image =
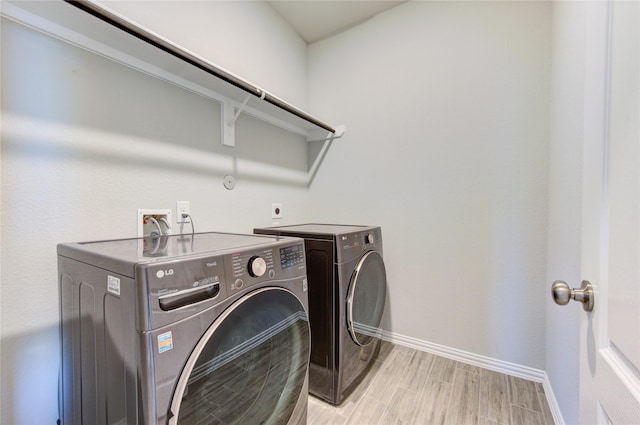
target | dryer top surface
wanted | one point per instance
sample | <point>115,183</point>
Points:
<point>320,229</point>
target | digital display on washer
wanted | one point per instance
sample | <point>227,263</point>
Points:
<point>291,255</point>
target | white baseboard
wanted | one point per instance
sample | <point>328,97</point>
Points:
<point>496,365</point>
<point>551,399</point>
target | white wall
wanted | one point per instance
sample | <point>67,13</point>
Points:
<point>447,110</point>
<point>247,38</point>
<point>85,142</point>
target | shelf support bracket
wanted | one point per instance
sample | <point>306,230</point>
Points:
<point>313,170</point>
<point>228,124</point>
<point>330,137</point>
<point>230,116</point>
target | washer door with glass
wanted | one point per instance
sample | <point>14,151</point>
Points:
<point>366,298</point>
<point>250,366</point>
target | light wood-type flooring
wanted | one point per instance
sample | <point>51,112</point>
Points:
<point>407,386</point>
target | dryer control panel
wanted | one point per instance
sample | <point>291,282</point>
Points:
<point>352,245</point>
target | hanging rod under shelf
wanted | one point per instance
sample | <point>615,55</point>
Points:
<point>176,51</point>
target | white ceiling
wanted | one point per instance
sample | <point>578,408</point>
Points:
<point>318,19</point>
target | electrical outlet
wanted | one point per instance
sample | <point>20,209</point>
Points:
<point>154,222</point>
<point>276,210</point>
<point>183,207</point>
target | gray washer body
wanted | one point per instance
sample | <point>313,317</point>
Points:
<point>133,310</point>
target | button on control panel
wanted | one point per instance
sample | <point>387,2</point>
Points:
<point>257,266</point>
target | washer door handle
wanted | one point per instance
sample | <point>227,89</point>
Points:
<point>190,296</point>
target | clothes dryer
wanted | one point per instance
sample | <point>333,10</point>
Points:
<point>189,329</point>
<point>347,294</point>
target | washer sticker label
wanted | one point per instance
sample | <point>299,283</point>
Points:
<point>113,285</point>
<point>165,342</point>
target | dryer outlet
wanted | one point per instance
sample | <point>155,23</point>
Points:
<point>276,210</point>
<point>154,222</point>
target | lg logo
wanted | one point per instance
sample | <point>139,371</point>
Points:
<point>162,273</point>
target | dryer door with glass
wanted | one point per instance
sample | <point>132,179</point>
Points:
<point>250,366</point>
<point>366,298</point>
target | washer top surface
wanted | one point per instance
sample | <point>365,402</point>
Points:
<point>127,252</point>
<point>322,229</point>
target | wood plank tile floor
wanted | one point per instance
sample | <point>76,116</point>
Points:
<point>411,387</point>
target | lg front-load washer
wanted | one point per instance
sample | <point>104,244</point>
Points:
<point>208,328</point>
<point>347,293</point>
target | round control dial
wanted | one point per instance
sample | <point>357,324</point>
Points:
<point>257,266</point>
<point>369,238</point>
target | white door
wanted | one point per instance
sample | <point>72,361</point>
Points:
<point>610,334</point>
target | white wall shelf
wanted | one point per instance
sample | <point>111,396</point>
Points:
<point>93,27</point>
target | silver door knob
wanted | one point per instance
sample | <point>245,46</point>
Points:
<point>562,294</point>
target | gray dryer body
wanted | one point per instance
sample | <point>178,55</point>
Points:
<point>347,295</point>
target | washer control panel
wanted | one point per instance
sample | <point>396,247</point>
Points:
<point>291,256</point>
<point>273,263</point>
<point>191,277</point>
